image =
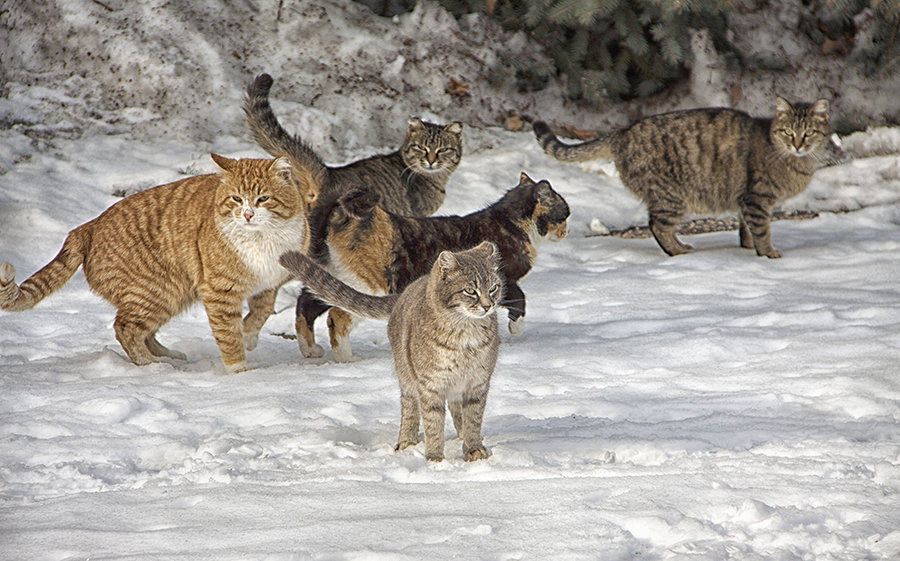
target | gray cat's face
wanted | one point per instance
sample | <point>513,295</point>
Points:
<point>431,148</point>
<point>802,130</point>
<point>470,281</point>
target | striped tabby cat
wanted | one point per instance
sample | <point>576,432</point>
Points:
<point>216,238</point>
<point>410,181</point>
<point>380,252</point>
<point>711,161</point>
<point>443,334</point>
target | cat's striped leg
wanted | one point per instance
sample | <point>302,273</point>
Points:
<point>431,406</point>
<point>409,420</point>
<point>157,349</point>
<point>261,307</point>
<point>756,210</point>
<point>223,310</point>
<point>472,407</point>
<point>132,332</point>
<point>745,236</point>
<point>665,215</point>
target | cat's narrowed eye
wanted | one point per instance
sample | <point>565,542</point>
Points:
<point>237,199</point>
<point>469,291</point>
<point>262,199</point>
<point>495,288</point>
<point>787,133</point>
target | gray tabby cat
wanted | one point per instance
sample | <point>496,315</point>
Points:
<point>711,160</point>
<point>443,334</point>
<point>410,181</point>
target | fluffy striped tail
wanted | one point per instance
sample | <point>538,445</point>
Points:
<point>15,298</point>
<point>271,136</point>
<point>590,150</point>
<point>335,292</point>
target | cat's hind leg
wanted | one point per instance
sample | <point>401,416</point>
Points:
<point>132,333</point>
<point>157,349</point>
<point>308,309</point>
<point>340,322</point>
<point>663,222</point>
<point>745,236</point>
<point>514,301</point>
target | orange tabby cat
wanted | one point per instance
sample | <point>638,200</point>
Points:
<point>216,238</point>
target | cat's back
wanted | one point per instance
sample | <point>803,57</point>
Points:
<point>160,225</point>
<point>689,130</point>
<point>382,174</point>
<point>701,154</point>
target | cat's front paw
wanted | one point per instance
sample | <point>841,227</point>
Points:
<point>236,367</point>
<point>517,326</point>
<point>771,253</point>
<point>404,444</point>
<point>476,453</point>
<point>7,274</point>
<point>434,457</point>
<point>251,340</point>
<point>310,351</point>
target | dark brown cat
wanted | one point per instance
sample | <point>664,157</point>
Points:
<point>381,252</point>
<point>215,238</point>
<point>711,161</point>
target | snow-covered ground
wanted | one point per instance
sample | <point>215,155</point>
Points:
<point>714,406</point>
<point>710,406</point>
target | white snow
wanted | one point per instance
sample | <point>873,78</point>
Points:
<point>713,406</point>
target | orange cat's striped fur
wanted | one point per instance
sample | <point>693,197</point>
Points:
<point>214,238</point>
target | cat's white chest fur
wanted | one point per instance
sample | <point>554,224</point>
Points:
<point>260,243</point>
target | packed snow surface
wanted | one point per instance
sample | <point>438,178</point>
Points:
<point>713,406</point>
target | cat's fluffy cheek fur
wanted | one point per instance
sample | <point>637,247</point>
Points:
<point>260,245</point>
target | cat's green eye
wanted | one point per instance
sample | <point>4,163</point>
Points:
<point>262,199</point>
<point>237,199</point>
<point>469,291</point>
<point>495,288</point>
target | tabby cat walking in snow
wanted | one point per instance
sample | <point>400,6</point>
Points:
<point>382,252</point>
<point>216,238</point>
<point>711,160</point>
<point>443,335</point>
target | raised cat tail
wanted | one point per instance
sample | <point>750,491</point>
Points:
<point>335,292</point>
<point>271,136</point>
<point>590,150</point>
<point>15,298</point>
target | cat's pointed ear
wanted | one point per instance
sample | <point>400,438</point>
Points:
<point>225,164</point>
<point>447,261</point>
<point>416,124</point>
<point>524,179</point>
<point>820,108</point>
<point>455,127</point>
<point>543,192</point>
<point>487,248</point>
<point>281,166</point>
<point>783,106</point>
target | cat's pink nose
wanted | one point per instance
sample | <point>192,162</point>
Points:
<point>248,214</point>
